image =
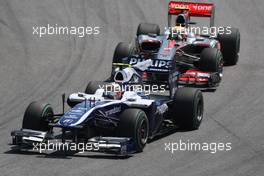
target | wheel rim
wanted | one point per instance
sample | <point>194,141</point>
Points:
<point>220,64</point>
<point>47,112</point>
<point>200,111</point>
<point>143,132</point>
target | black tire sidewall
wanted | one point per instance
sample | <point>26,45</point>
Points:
<point>122,50</point>
<point>141,119</point>
<point>185,108</point>
<point>211,60</point>
<point>35,116</point>
<point>230,46</point>
<point>147,28</point>
<point>130,122</point>
<point>92,86</point>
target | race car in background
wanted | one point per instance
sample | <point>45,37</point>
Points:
<point>229,40</point>
<point>119,122</point>
<point>198,58</point>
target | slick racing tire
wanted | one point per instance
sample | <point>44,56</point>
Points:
<point>134,123</point>
<point>92,86</point>
<point>146,28</point>
<point>36,116</point>
<point>187,109</point>
<point>122,50</point>
<point>211,60</point>
<point>230,46</point>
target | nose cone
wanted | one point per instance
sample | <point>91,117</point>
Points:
<point>74,115</point>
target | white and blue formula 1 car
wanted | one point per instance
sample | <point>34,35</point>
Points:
<point>119,122</point>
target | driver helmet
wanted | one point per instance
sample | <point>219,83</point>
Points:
<point>181,20</point>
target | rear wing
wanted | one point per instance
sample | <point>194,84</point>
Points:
<point>194,10</point>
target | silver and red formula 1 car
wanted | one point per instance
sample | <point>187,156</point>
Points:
<point>199,58</point>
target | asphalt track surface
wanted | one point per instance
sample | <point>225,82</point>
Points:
<point>34,68</point>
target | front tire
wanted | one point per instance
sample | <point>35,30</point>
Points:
<point>211,60</point>
<point>134,123</point>
<point>36,116</point>
<point>146,28</point>
<point>187,108</point>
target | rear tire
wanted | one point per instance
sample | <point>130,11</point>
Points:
<point>187,108</point>
<point>211,60</point>
<point>35,117</point>
<point>146,28</point>
<point>134,123</point>
<point>230,46</point>
<point>92,86</point>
